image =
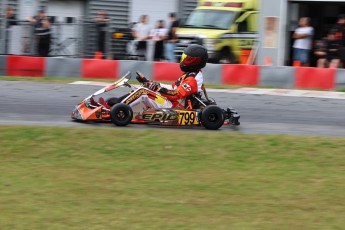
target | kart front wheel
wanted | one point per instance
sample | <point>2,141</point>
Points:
<point>212,117</point>
<point>121,114</point>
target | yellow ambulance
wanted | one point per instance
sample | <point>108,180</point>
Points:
<point>227,28</point>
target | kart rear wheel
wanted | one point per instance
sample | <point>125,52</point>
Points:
<point>121,114</point>
<point>212,117</point>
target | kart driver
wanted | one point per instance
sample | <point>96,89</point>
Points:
<point>193,59</point>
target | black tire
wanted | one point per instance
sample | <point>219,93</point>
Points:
<point>226,57</point>
<point>212,117</point>
<point>121,114</point>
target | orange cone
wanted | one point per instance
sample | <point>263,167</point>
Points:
<point>296,63</point>
<point>268,60</point>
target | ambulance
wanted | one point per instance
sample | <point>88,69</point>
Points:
<point>227,28</point>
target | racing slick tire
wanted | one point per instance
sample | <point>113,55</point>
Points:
<point>212,117</point>
<point>121,114</point>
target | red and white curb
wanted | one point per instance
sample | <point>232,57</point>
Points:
<point>254,91</point>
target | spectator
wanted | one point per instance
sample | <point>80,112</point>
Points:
<point>172,38</point>
<point>158,35</point>
<point>10,17</point>
<point>329,57</point>
<point>141,33</point>
<point>320,53</point>
<point>339,28</point>
<point>42,32</point>
<point>10,21</point>
<point>101,27</point>
<point>303,36</point>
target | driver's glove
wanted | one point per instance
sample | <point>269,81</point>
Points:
<point>141,78</point>
<point>154,86</point>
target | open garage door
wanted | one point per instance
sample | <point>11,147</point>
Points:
<point>323,15</point>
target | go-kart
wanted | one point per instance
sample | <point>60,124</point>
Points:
<point>199,109</point>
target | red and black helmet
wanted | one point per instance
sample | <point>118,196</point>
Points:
<point>194,58</point>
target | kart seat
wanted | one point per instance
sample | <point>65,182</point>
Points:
<point>193,102</point>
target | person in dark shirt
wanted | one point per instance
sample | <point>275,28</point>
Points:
<point>10,21</point>
<point>10,17</point>
<point>329,52</point>
<point>42,32</point>
<point>171,38</point>
<point>339,29</point>
<point>320,52</point>
<point>102,21</point>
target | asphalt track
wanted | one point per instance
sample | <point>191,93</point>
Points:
<point>50,104</point>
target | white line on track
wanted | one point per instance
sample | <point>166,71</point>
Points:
<point>255,91</point>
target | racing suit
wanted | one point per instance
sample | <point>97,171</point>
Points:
<point>187,84</point>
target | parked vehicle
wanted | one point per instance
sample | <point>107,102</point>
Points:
<point>224,27</point>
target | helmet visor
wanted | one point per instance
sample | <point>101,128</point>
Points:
<point>188,60</point>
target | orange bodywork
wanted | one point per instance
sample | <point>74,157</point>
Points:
<point>94,113</point>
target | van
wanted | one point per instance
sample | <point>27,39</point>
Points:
<point>226,28</point>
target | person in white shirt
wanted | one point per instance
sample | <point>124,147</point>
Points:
<point>302,46</point>
<point>141,32</point>
<point>158,35</point>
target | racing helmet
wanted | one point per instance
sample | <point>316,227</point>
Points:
<point>194,57</point>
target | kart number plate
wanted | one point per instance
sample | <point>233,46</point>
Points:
<point>188,118</point>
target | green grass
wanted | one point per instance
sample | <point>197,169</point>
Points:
<point>82,178</point>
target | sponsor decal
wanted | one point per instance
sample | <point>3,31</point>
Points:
<point>160,100</point>
<point>136,95</point>
<point>159,116</point>
<point>246,43</point>
<point>187,87</point>
<point>98,114</point>
<point>240,35</point>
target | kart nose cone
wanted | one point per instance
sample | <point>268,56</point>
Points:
<point>75,114</point>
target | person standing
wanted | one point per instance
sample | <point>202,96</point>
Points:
<point>10,17</point>
<point>158,35</point>
<point>329,56</point>
<point>42,32</point>
<point>172,38</point>
<point>141,32</point>
<point>339,29</point>
<point>302,46</point>
<point>10,21</point>
<point>101,27</point>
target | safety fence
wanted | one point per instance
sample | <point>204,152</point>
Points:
<point>227,74</point>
